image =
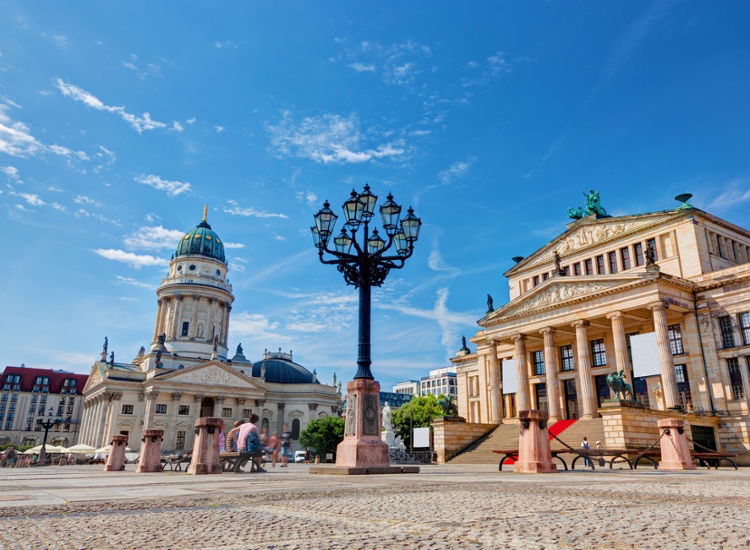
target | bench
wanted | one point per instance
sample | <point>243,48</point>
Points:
<point>513,455</point>
<point>175,463</point>
<point>617,455</point>
<point>714,458</point>
<point>235,461</point>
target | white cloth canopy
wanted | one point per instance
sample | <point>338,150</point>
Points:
<point>51,449</point>
<point>108,449</point>
<point>81,449</point>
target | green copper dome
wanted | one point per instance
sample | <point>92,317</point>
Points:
<point>202,241</point>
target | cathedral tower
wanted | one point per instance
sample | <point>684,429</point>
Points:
<point>194,299</point>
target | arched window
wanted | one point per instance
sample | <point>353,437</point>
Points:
<point>295,429</point>
<point>264,424</point>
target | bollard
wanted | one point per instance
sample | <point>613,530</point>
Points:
<point>206,448</point>
<point>675,453</point>
<point>116,458</point>
<point>362,446</point>
<point>150,459</point>
<point>534,454</point>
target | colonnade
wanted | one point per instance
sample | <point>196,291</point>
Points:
<point>170,310</point>
<point>583,365</point>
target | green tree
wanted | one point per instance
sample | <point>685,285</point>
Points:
<point>323,434</point>
<point>417,413</point>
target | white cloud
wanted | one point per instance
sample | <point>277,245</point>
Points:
<point>139,123</point>
<point>31,199</point>
<point>153,238</point>
<point>234,209</point>
<point>234,245</point>
<point>133,260</point>
<point>256,326</point>
<point>455,171</point>
<point>142,72</point>
<point>106,158</point>
<point>218,129</point>
<point>171,188</point>
<point>224,45</point>
<point>54,189</point>
<point>736,192</point>
<point>278,237</point>
<point>177,127</point>
<point>83,199</point>
<point>328,138</point>
<point>190,121</point>
<point>132,282</point>
<point>362,68</point>
<point>83,213</point>
<point>12,173</point>
<point>16,140</point>
<point>307,196</point>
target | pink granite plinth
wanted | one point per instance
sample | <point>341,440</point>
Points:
<point>362,446</point>
<point>206,447</point>
<point>534,454</point>
<point>116,458</point>
<point>675,453</point>
<point>150,459</point>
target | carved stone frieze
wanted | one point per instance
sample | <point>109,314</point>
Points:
<point>559,293</point>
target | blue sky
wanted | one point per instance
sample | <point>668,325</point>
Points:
<point>119,120</point>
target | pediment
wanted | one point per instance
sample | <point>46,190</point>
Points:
<point>557,291</point>
<point>213,373</point>
<point>590,232</point>
<point>94,379</point>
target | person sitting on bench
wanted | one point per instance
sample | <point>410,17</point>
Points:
<point>231,440</point>
<point>248,440</point>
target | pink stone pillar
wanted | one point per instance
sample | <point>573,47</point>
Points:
<point>116,458</point>
<point>362,446</point>
<point>150,459</point>
<point>534,454</point>
<point>206,447</point>
<point>675,453</point>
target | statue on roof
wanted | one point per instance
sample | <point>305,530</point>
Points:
<point>112,360</point>
<point>490,304</point>
<point>158,359</point>
<point>239,349</point>
<point>593,207</point>
<point>558,266</point>
<point>464,347</point>
<point>216,344</point>
<point>105,347</point>
<point>161,339</point>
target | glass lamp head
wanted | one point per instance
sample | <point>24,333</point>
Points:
<point>389,212</point>
<point>368,200</point>
<point>410,225</point>
<point>402,244</point>
<point>325,220</point>
<point>353,209</point>
<point>342,242</point>
<point>375,243</point>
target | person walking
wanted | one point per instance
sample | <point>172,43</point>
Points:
<point>286,446</point>
<point>274,443</point>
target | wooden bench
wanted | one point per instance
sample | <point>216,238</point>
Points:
<point>176,463</point>
<point>235,461</point>
<point>715,458</point>
<point>513,455</point>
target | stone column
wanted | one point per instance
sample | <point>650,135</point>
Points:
<point>522,395</point>
<point>116,458</point>
<point>111,415</point>
<point>534,454</point>
<point>496,406</point>
<point>150,459</point>
<point>550,373</point>
<point>621,345</point>
<point>583,358</point>
<point>675,453</point>
<point>150,409</point>
<point>85,424</point>
<point>225,325</point>
<point>176,315</point>
<point>206,447</point>
<point>280,409</point>
<point>666,363</point>
<point>193,329</point>
<point>101,410</point>
<point>158,321</point>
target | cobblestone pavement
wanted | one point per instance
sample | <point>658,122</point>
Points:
<point>466,506</point>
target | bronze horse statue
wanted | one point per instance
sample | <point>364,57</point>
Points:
<point>616,383</point>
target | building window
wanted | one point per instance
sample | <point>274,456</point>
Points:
<point>651,245</point>
<point>179,441</point>
<point>161,408</point>
<point>185,327</point>
<point>540,392</point>
<point>600,265</point>
<point>566,270</point>
<point>683,387</point>
<point>184,410</point>
<point>588,267</point>
<point>735,378</point>
<point>675,339</point>
<point>545,276</point>
<point>625,257</point>
<point>598,352</point>
<point>727,334</point>
<point>612,257</point>
<point>577,268</point>
<point>638,253</point>
<point>127,409</point>
<point>226,412</point>
<point>538,361</point>
<point>295,429</point>
<point>744,319</point>
<point>630,347</point>
<point>566,358</point>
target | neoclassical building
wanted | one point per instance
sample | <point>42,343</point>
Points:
<point>678,280</point>
<point>186,374</point>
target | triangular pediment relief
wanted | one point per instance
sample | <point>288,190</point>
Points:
<point>94,379</point>
<point>557,291</point>
<point>213,373</point>
<point>591,232</point>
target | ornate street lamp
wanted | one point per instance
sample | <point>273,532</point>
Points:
<point>46,424</point>
<point>365,258</point>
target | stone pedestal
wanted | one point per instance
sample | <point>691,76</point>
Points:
<point>534,454</point>
<point>206,447</point>
<point>675,453</point>
<point>150,459</point>
<point>116,458</point>
<point>362,451</point>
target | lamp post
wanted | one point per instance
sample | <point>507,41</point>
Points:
<point>364,258</point>
<point>46,424</point>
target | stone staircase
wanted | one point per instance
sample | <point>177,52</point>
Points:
<point>505,436</point>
